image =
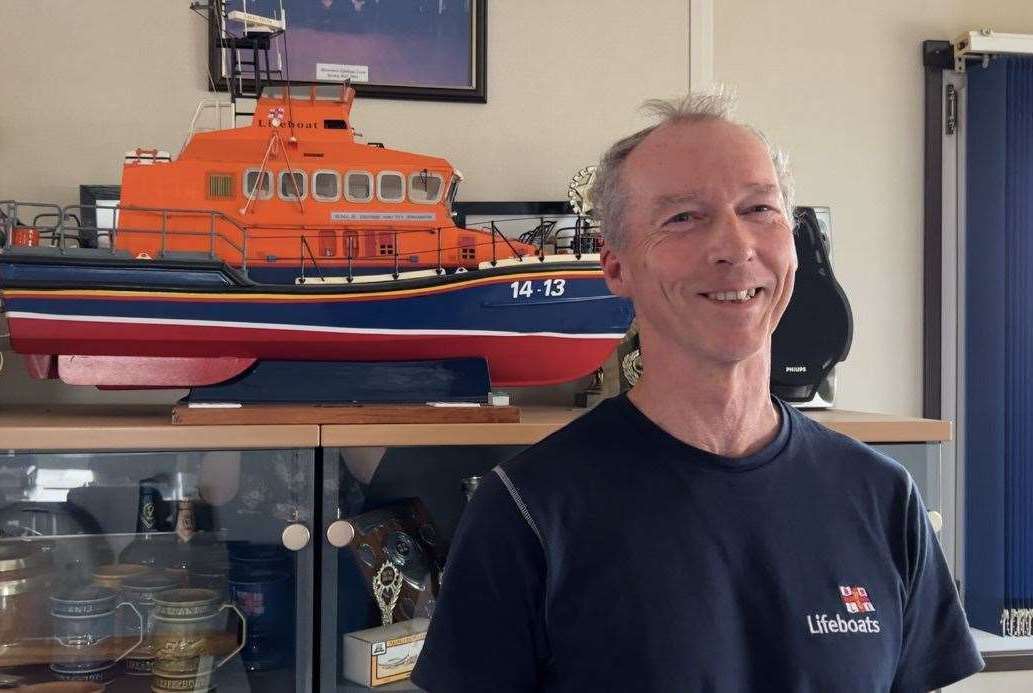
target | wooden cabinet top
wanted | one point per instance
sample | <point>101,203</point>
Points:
<point>149,427</point>
<point>136,427</point>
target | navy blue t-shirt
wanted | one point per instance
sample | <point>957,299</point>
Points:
<point>614,557</point>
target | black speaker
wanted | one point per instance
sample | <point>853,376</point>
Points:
<point>816,331</point>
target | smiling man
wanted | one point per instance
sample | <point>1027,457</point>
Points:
<point>696,534</point>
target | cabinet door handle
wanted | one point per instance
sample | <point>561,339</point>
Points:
<point>340,533</point>
<point>296,536</point>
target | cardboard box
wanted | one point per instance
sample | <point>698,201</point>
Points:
<point>385,654</point>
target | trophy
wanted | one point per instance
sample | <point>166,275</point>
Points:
<point>395,551</point>
<point>387,584</point>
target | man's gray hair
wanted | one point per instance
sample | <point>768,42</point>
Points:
<point>608,193</point>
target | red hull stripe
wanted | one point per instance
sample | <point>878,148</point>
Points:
<point>513,359</point>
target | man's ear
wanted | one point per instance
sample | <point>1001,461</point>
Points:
<point>613,270</point>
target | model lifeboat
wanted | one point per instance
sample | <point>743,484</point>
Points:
<point>290,239</point>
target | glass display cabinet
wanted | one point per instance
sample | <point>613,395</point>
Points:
<point>159,569</point>
<point>154,557</point>
<point>394,495</point>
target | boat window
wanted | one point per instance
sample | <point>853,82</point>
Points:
<point>262,180</point>
<point>358,186</point>
<point>467,248</point>
<point>220,186</point>
<point>385,244</point>
<point>326,186</point>
<point>390,186</point>
<point>292,185</point>
<point>327,243</point>
<point>351,244</point>
<point>330,92</point>
<point>425,187</point>
<point>453,188</point>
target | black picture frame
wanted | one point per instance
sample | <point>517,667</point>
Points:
<point>476,93</point>
<point>90,197</point>
<point>545,208</point>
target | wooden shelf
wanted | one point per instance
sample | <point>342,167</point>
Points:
<point>535,423</point>
<point>48,651</point>
<point>136,427</point>
<point>67,428</point>
<point>538,422</point>
<point>883,428</point>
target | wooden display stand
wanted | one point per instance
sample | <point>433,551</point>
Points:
<point>257,414</point>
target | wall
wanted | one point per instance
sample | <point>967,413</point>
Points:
<point>840,85</point>
<point>94,79</point>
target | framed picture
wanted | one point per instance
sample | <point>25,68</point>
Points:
<point>398,49</point>
<point>99,210</point>
<point>513,219</point>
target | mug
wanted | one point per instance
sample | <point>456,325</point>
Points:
<point>141,591</point>
<point>84,617</point>
<point>198,682</point>
<point>71,673</point>
<point>264,598</point>
<point>187,622</point>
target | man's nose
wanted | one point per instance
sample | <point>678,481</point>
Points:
<point>731,242</point>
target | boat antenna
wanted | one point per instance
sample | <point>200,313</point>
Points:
<point>287,74</point>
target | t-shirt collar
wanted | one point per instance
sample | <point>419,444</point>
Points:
<point>708,459</point>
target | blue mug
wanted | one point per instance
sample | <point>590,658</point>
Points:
<point>264,597</point>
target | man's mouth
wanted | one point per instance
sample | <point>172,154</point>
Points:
<point>736,296</point>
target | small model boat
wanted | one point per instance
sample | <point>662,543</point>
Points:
<point>288,239</point>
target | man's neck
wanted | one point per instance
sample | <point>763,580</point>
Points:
<point>724,409</point>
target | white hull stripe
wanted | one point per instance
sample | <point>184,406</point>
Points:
<point>302,328</point>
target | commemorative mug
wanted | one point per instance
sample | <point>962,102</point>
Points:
<point>69,673</point>
<point>84,617</point>
<point>197,682</point>
<point>187,624</point>
<point>141,591</point>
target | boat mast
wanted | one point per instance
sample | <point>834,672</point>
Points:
<point>250,65</point>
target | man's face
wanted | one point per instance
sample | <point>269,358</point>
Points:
<point>704,219</point>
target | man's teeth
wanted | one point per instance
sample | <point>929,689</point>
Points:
<point>744,295</point>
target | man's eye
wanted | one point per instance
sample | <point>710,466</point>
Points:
<point>755,209</point>
<point>680,217</point>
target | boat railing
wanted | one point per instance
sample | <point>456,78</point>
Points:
<point>62,228</point>
<point>306,249</point>
<point>205,106</point>
<point>582,237</point>
<point>209,217</point>
<point>27,215</point>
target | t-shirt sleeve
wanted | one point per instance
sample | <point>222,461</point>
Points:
<point>487,632</point>
<point>938,648</point>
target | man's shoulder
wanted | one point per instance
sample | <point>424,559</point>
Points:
<point>842,455</point>
<point>580,448</point>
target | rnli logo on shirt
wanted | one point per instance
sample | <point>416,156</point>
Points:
<point>856,599</point>
<point>856,602</point>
